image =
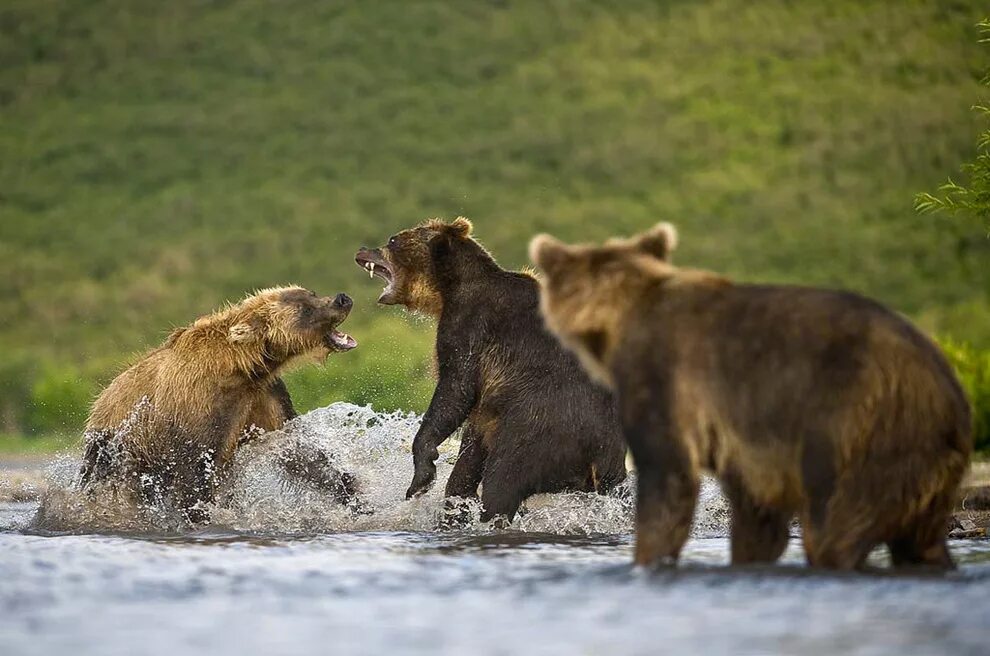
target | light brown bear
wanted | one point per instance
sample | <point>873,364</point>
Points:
<point>171,422</point>
<point>808,401</point>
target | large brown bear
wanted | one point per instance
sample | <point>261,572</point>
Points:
<point>807,401</point>
<point>172,421</point>
<point>533,420</point>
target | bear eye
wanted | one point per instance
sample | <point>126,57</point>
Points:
<point>393,241</point>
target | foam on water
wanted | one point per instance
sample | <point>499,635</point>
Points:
<point>259,496</point>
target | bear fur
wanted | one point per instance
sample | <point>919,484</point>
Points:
<point>802,401</point>
<point>270,410</point>
<point>533,420</point>
<point>172,421</point>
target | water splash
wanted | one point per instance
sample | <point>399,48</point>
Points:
<point>259,496</point>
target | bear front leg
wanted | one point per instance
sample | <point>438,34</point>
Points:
<point>667,488</point>
<point>312,466</point>
<point>268,412</point>
<point>100,458</point>
<point>280,393</point>
<point>196,490</point>
<point>452,402</point>
<point>448,410</point>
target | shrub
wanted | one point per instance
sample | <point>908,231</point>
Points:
<point>973,367</point>
<point>973,199</point>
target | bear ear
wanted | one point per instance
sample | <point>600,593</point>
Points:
<point>461,227</point>
<point>659,241</point>
<point>549,253</point>
<point>242,332</point>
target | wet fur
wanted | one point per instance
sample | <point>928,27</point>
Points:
<point>532,420</point>
<point>170,424</point>
<point>802,401</point>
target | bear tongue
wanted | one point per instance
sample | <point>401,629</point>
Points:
<point>342,341</point>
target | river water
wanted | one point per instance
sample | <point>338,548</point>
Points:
<point>281,570</point>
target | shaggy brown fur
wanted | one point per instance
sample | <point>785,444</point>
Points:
<point>533,421</point>
<point>173,420</point>
<point>270,411</point>
<point>807,401</point>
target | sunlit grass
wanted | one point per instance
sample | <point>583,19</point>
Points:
<point>158,159</point>
<point>36,445</point>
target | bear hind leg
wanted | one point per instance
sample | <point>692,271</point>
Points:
<point>837,547</point>
<point>501,495</point>
<point>466,475</point>
<point>910,553</point>
<point>759,533</point>
<point>923,543</point>
<point>838,520</point>
<point>464,480</point>
<point>839,532</point>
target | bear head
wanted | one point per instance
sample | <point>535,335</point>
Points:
<point>584,289</point>
<point>413,262</point>
<point>270,328</point>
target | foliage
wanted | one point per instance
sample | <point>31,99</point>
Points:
<point>973,368</point>
<point>972,200</point>
<point>160,158</point>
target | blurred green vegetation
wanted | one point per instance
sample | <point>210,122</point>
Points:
<point>390,369</point>
<point>971,199</point>
<point>20,444</point>
<point>973,367</point>
<point>158,159</point>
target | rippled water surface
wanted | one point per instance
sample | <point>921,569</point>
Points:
<point>281,571</point>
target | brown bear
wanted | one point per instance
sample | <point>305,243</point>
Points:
<point>172,421</point>
<point>533,420</point>
<point>808,401</point>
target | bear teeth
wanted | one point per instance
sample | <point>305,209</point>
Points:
<point>371,269</point>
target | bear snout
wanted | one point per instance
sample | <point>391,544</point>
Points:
<point>343,301</point>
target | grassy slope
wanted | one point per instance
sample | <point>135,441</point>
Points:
<point>22,445</point>
<point>157,158</point>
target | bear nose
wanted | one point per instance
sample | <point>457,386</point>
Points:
<point>343,301</point>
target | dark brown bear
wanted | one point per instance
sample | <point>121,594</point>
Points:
<point>807,401</point>
<point>173,420</point>
<point>533,420</point>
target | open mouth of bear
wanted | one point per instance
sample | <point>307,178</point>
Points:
<point>376,266</point>
<point>336,340</point>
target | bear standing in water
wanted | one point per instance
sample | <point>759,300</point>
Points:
<point>805,401</point>
<point>533,420</point>
<point>172,421</point>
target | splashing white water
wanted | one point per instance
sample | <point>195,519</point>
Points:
<point>259,496</point>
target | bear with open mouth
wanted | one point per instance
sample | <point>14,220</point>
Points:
<point>169,425</point>
<point>533,420</point>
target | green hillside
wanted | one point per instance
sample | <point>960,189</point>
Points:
<point>159,158</point>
